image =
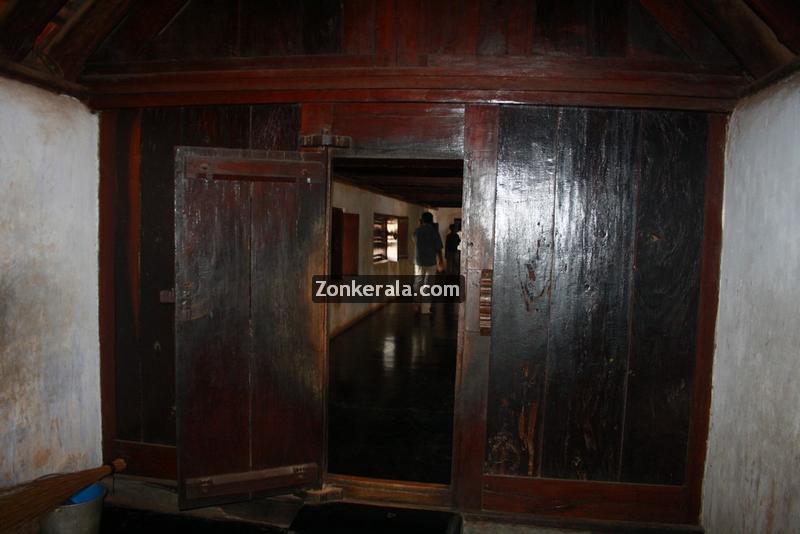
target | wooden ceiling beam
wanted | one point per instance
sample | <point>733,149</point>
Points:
<point>747,36</point>
<point>783,17</point>
<point>22,24</point>
<point>83,33</point>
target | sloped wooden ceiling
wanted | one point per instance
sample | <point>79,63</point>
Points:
<point>94,42</point>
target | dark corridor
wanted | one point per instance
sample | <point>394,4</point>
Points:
<point>392,383</point>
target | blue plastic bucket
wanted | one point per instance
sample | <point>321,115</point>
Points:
<point>80,514</point>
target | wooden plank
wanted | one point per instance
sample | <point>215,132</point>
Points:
<point>109,182</point>
<point>647,39</point>
<point>144,66</point>
<point>213,342</point>
<point>688,31</point>
<point>161,133</point>
<point>79,38</point>
<point>666,283</point>
<point>477,97</point>
<point>745,34</point>
<point>391,492</point>
<point>127,235</point>
<point>608,29</point>
<point>216,126</point>
<point>289,342</point>
<point>274,127</point>
<point>523,274</point>
<point>589,315</point>
<point>415,129</point>
<point>180,39</point>
<point>597,77</point>
<point>385,32</point>
<point>520,28</point>
<point>410,26</point>
<point>783,17</point>
<point>493,27</point>
<point>596,500</point>
<point>359,27</point>
<point>561,27</point>
<point>452,31</point>
<point>146,459</point>
<point>707,312</point>
<point>316,118</point>
<point>306,27</point>
<point>322,27</point>
<point>22,23</point>
<point>472,369</point>
<point>144,22</point>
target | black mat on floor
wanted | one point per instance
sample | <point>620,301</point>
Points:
<point>340,518</point>
<point>125,521</point>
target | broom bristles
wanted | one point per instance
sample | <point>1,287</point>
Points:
<point>30,500</point>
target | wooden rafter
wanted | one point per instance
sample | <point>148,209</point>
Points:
<point>681,23</point>
<point>783,16</point>
<point>147,19</point>
<point>82,34</point>
<point>22,23</point>
<point>745,34</point>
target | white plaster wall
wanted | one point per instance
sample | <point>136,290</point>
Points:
<point>752,482</point>
<point>367,204</point>
<point>49,348</point>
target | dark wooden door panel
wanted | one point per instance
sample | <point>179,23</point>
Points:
<point>588,318</point>
<point>288,247</point>
<point>666,289</point>
<point>521,290</point>
<point>598,236</point>
<point>250,345</point>
<point>212,237</point>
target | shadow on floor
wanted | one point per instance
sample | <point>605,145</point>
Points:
<point>336,518</point>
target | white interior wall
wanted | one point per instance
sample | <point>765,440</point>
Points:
<point>752,481</point>
<point>49,347</point>
<point>367,204</point>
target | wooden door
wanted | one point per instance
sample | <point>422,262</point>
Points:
<point>250,231</point>
<point>589,355</point>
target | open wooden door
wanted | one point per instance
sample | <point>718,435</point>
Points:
<point>250,231</point>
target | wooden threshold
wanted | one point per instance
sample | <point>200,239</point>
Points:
<point>392,492</point>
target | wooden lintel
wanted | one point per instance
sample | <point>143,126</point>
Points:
<point>540,82</point>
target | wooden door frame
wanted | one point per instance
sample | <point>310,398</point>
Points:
<point>466,490</point>
<point>377,490</point>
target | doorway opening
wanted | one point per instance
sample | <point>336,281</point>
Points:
<point>392,367</point>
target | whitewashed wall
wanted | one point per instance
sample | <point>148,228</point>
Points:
<point>752,482</point>
<point>49,348</point>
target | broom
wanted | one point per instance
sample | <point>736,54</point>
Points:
<point>27,501</point>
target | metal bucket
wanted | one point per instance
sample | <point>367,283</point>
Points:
<point>80,515</point>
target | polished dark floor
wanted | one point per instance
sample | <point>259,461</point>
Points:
<point>391,395</point>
